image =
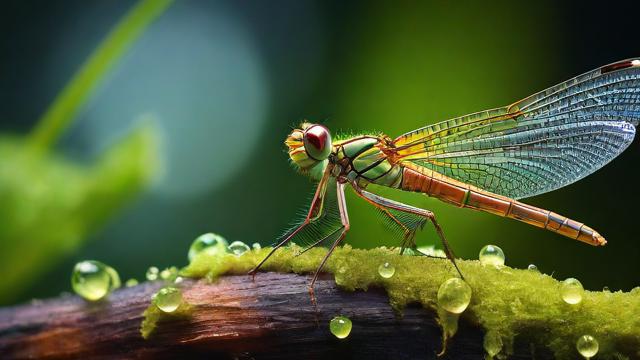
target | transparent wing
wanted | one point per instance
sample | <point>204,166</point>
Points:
<point>539,144</point>
<point>323,227</point>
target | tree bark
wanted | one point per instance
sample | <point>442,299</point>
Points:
<point>271,317</point>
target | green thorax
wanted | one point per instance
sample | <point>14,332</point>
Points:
<point>363,160</point>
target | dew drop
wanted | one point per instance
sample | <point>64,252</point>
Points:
<point>532,267</point>
<point>587,346</point>
<point>168,299</point>
<point>93,280</point>
<point>571,291</point>
<point>454,295</point>
<point>606,289</point>
<point>238,248</point>
<point>131,282</point>
<point>169,274</point>
<point>491,255</point>
<point>152,273</point>
<point>209,242</point>
<point>256,246</point>
<point>178,280</point>
<point>386,270</point>
<point>492,343</point>
<point>340,326</point>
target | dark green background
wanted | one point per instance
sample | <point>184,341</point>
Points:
<point>355,66</point>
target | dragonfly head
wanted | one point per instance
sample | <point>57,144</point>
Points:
<point>309,148</point>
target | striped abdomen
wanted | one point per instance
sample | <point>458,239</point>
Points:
<point>463,195</point>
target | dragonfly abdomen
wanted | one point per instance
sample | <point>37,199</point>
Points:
<point>462,195</point>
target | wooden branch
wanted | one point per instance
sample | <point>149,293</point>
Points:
<point>236,318</point>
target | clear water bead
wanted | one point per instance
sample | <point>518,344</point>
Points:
<point>238,248</point>
<point>93,280</point>
<point>168,299</point>
<point>454,295</point>
<point>386,270</point>
<point>587,346</point>
<point>209,242</point>
<point>340,326</point>
<point>491,255</point>
<point>532,267</point>
<point>256,246</point>
<point>152,273</point>
<point>131,282</point>
<point>571,291</point>
<point>169,274</point>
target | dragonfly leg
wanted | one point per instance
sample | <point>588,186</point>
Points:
<point>344,218</point>
<point>391,204</point>
<point>316,204</point>
<point>316,243</point>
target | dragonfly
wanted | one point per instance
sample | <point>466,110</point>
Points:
<point>486,161</point>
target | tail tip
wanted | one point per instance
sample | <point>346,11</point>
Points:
<point>599,240</point>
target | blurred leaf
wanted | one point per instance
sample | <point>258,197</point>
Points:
<point>48,204</point>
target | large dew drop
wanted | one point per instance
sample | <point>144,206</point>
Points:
<point>454,295</point>
<point>94,280</point>
<point>168,299</point>
<point>491,255</point>
<point>340,326</point>
<point>386,270</point>
<point>209,242</point>
<point>571,291</point>
<point>587,346</point>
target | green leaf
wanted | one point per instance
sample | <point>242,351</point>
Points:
<point>49,205</point>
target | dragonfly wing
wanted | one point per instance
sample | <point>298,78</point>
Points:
<point>539,144</point>
<point>323,226</point>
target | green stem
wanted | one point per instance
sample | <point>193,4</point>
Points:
<point>68,102</point>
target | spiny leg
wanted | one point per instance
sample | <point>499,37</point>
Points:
<point>316,243</point>
<point>379,200</point>
<point>344,217</point>
<point>315,208</point>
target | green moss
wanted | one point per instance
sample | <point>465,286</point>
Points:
<point>506,301</point>
<point>153,316</point>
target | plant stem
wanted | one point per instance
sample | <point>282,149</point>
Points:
<point>68,102</point>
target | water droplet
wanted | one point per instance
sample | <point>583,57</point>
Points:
<point>168,299</point>
<point>606,289</point>
<point>454,295</point>
<point>131,282</point>
<point>571,291</point>
<point>152,273</point>
<point>532,267</point>
<point>238,248</point>
<point>340,326</point>
<point>209,242</point>
<point>178,280</point>
<point>386,270</point>
<point>256,246</point>
<point>491,255</point>
<point>169,274</point>
<point>94,280</point>
<point>587,346</point>
<point>492,343</point>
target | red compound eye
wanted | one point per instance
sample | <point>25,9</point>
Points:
<point>317,142</point>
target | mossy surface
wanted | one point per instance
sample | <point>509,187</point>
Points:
<point>506,301</point>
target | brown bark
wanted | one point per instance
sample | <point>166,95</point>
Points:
<point>235,318</point>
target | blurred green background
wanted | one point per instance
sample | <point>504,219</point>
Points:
<point>218,84</point>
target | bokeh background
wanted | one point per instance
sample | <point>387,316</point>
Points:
<point>222,82</point>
